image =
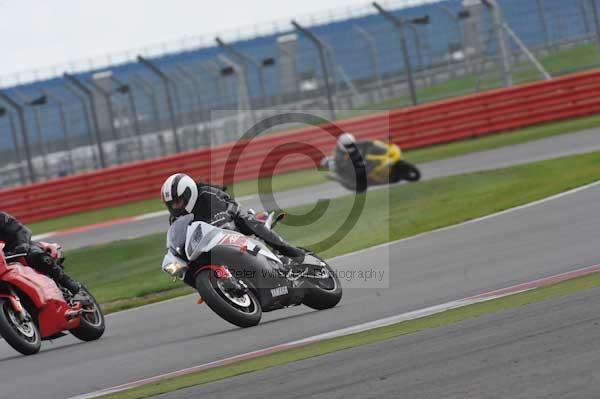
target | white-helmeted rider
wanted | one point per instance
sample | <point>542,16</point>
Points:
<point>211,204</point>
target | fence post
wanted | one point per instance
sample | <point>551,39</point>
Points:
<point>418,44</point>
<point>149,91</point>
<point>243,100</point>
<point>111,111</point>
<point>544,22</point>
<point>86,115</point>
<point>197,88</point>
<point>23,126</point>
<point>125,89</point>
<point>374,54</point>
<point>458,20</point>
<point>321,47</point>
<point>38,128</point>
<point>64,126</point>
<point>211,68</point>
<point>596,20</point>
<point>498,27</point>
<point>399,24</point>
<point>165,79</point>
<point>88,93</point>
<point>246,60</point>
<point>15,138</point>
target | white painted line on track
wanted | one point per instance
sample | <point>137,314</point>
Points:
<point>151,215</point>
<point>416,314</point>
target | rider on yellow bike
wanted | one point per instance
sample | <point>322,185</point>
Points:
<point>383,163</point>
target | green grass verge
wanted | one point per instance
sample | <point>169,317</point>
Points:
<point>131,269</point>
<point>309,177</point>
<point>364,338</point>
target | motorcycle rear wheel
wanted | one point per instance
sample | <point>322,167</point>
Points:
<point>406,171</point>
<point>243,311</point>
<point>23,337</point>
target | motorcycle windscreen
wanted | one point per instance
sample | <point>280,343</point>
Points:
<point>177,234</point>
<point>200,238</point>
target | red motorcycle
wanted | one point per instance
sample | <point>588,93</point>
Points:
<point>34,308</point>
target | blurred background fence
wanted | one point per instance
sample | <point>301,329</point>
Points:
<point>345,63</point>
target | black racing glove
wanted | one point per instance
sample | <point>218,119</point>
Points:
<point>44,262</point>
<point>221,218</point>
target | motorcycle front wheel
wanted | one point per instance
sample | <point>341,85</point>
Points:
<point>23,336</point>
<point>91,322</point>
<point>242,311</point>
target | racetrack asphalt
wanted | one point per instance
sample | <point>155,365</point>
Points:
<point>544,350</point>
<point>529,243</point>
<point>553,147</point>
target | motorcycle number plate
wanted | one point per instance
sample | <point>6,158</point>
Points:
<point>279,291</point>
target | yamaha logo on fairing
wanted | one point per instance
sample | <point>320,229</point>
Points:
<point>279,291</point>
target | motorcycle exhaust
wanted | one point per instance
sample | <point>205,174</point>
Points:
<point>73,314</point>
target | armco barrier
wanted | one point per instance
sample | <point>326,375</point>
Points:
<point>473,115</point>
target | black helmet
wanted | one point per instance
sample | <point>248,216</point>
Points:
<point>179,193</point>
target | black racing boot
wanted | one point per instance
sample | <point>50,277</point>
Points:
<point>44,263</point>
<point>71,285</point>
<point>291,262</point>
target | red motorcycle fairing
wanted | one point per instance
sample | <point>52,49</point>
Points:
<point>52,309</point>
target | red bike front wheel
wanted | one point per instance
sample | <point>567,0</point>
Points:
<point>19,331</point>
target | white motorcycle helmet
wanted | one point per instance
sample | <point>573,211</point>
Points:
<point>346,139</point>
<point>179,193</point>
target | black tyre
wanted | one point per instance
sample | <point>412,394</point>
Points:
<point>91,323</point>
<point>22,336</point>
<point>406,171</point>
<point>244,311</point>
<point>325,293</point>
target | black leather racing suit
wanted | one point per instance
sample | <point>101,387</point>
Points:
<point>216,206</point>
<point>17,239</point>
<point>13,233</point>
<point>344,165</point>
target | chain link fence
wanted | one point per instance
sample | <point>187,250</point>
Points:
<point>375,57</point>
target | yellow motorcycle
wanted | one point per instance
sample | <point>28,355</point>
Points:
<point>385,164</point>
<point>359,164</point>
